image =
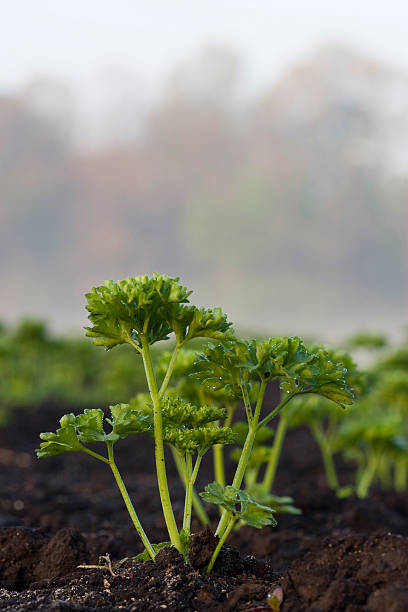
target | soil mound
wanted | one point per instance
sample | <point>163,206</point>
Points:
<point>350,574</point>
<point>27,555</point>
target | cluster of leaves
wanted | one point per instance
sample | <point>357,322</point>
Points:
<point>244,367</point>
<point>124,312</point>
<point>187,427</point>
<point>236,365</point>
<point>88,427</point>
<point>234,369</point>
<point>240,505</point>
<point>373,434</point>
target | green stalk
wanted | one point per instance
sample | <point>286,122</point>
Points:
<point>384,473</point>
<point>219,471</point>
<point>188,498</point>
<point>251,476</point>
<point>96,455</point>
<point>368,475</point>
<point>246,451</point>
<point>159,447</point>
<point>169,372</point>
<point>221,542</point>
<point>272,466</point>
<point>264,422</point>
<point>197,505</point>
<point>400,475</point>
<point>218,453</point>
<point>278,408</point>
<point>191,478</point>
<point>247,403</point>
<point>327,456</point>
<point>128,503</point>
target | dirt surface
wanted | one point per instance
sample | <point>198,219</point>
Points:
<point>58,513</point>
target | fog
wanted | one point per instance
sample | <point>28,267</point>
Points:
<point>258,156</point>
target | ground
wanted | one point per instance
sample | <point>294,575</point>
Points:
<point>55,514</point>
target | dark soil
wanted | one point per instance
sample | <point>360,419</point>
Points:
<point>55,514</point>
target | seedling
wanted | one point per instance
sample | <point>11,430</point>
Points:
<point>374,440</point>
<point>375,435</point>
<point>241,368</point>
<point>140,312</point>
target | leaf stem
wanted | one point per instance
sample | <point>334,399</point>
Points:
<point>400,474</point>
<point>191,478</point>
<point>368,475</point>
<point>246,451</point>
<point>159,447</point>
<point>247,403</point>
<point>327,456</point>
<point>221,542</point>
<point>197,505</point>
<point>169,372</point>
<point>134,344</point>
<point>278,408</point>
<point>128,503</point>
<point>218,450</point>
<point>219,471</point>
<point>93,454</point>
<point>276,449</point>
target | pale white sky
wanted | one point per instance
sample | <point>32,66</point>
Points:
<point>80,40</point>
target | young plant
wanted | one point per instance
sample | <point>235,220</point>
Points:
<point>240,367</point>
<point>87,428</point>
<point>375,437</point>
<point>140,312</point>
<point>375,441</point>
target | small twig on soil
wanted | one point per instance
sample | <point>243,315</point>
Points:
<point>108,564</point>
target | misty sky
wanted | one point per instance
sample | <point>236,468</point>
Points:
<point>81,40</point>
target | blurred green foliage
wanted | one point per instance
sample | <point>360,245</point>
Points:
<point>37,368</point>
<point>374,437</point>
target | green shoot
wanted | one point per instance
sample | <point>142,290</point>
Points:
<point>239,367</point>
<point>374,440</point>
<point>141,311</point>
<point>87,428</point>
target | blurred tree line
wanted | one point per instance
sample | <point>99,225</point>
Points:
<point>288,207</point>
